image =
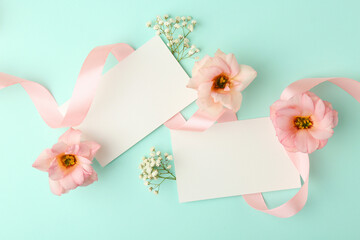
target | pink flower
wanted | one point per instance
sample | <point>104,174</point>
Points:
<point>68,162</point>
<point>219,81</point>
<point>304,123</point>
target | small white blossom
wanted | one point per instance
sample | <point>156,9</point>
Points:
<point>177,19</point>
<point>183,18</point>
<point>197,50</point>
<point>152,154</point>
<point>176,41</point>
<point>155,173</point>
<point>193,46</point>
<point>152,149</point>
<point>167,30</point>
<point>141,176</point>
<point>186,40</point>
<point>156,192</point>
<point>191,27</point>
<point>168,167</point>
<point>169,44</point>
<point>186,45</point>
<point>176,26</point>
<point>146,183</point>
<point>170,157</point>
<point>191,52</point>
<point>166,154</point>
<point>148,24</point>
<point>180,37</point>
<point>189,18</point>
<point>143,158</point>
<point>171,20</point>
<point>158,163</point>
<point>183,24</point>
<point>158,32</point>
<point>193,22</point>
<point>158,153</point>
<point>150,189</point>
<point>161,22</point>
<point>167,24</point>
<point>156,27</point>
<point>166,16</point>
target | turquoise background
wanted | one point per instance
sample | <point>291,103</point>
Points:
<point>47,41</point>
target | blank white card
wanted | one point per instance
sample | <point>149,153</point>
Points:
<point>230,159</point>
<point>134,98</point>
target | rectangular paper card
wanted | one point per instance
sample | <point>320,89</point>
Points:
<point>229,159</point>
<point>134,98</point>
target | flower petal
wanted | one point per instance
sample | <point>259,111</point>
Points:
<point>43,161</point>
<point>56,188</point>
<point>321,133</point>
<point>230,60</point>
<point>78,175</point>
<point>90,179</point>
<point>305,143</point>
<point>245,76</point>
<point>307,105</point>
<point>55,171</point>
<point>68,182</point>
<point>59,148</point>
<point>71,137</point>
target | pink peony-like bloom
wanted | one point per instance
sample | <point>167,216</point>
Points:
<point>219,81</point>
<point>304,123</point>
<point>68,162</point>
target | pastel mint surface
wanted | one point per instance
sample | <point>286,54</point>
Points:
<point>47,42</point>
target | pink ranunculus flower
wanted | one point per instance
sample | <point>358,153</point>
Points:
<point>68,162</point>
<point>303,123</point>
<point>219,81</point>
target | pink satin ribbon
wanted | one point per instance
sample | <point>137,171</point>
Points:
<point>84,91</point>
<point>200,122</point>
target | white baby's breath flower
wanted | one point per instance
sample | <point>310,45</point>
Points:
<point>183,18</point>
<point>156,192</point>
<point>170,157</point>
<point>186,45</point>
<point>158,153</point>
<point>167,30</point>
<point>158,32</point>
<point>193,46</point>
<point>176,26</point>
<point>152,164</point>
<point>146,183</point>
<point>152,154</point>
<point>166,154</point>
<point>176,41</point>
<point>181,36</point>
<point>171,20</point>
<point>191,52</point>
<point>183,24</point>
<point>143,158</point>
<point>168,167</point>
<point>189,18</point>
<point>186,40</point>
<point>156,27</point>
<point>148,24</point>
<point>141,176</point>
<point>150,189</point>
<point>177,19</point>
<point>191,27</point>
<point>166,16</point>
<point>167,24</point>
<point>158,163</point>
<point>155,173</point>
<point>169,44</point>
<point>197,50</point>
<point>161,22</point>
<point>193,22</point>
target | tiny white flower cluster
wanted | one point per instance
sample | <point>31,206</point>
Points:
<point>156,169</point>
<point>168,27</point>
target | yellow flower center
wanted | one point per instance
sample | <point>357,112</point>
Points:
<point>303,122</point>
<point>220,81</point>
<point>68,160</point>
